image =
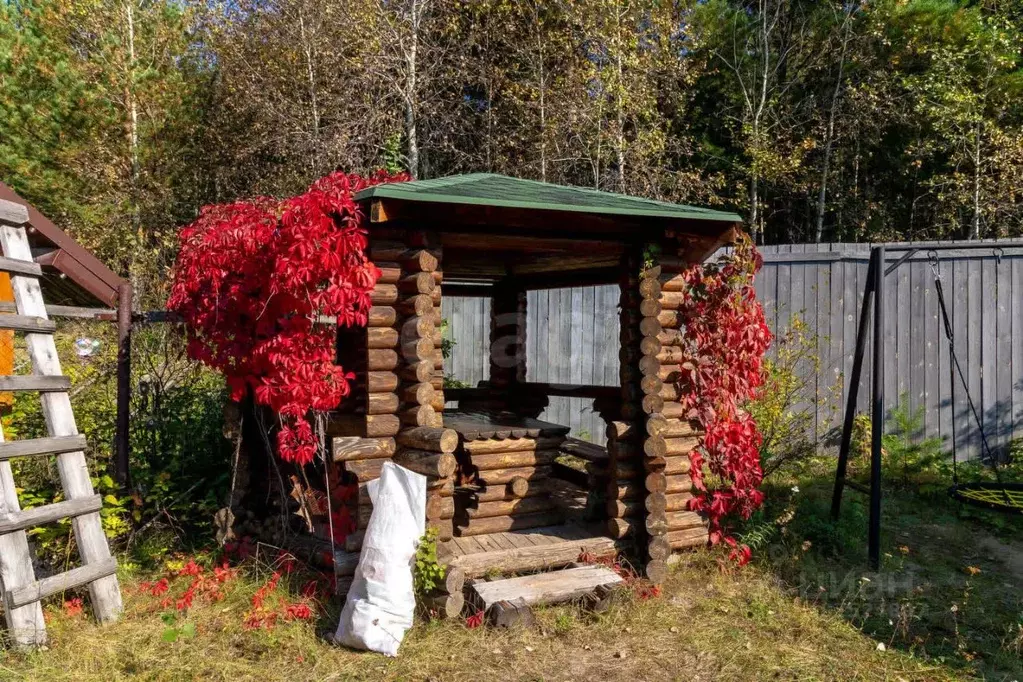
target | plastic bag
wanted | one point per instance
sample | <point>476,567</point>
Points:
<point>381,602</point>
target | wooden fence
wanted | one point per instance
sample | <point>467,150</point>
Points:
<point>573,333</point>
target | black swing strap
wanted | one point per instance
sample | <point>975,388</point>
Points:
<point>956,368</point>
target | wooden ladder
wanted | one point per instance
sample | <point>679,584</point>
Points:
<point>21,591</point>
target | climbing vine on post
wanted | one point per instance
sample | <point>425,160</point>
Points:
<point>252,278</point>
<point>726,337</point>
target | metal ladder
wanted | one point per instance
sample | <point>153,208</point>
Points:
<point>20,589</point>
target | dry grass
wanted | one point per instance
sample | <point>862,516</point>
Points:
<point>706,625</point>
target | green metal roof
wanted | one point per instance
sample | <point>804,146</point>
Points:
<point>488,189</point>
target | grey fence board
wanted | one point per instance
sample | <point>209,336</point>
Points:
<point>573,337</point>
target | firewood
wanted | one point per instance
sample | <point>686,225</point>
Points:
<point>619,528</point>
<point>618,509</point>
<point>651,384</point>
<point>417,327</point>
<point>509,614</point>
<point>417,283</point>
<point>515,488</point>
<point>381,403</point>
<point>429,438</point>
<point>507,460</point>
<point>417,351</point>
<point>681,520</point>
<point>381,425</point>
<point>439,507</point>
<point>418,394</point>
<point>381,382</point>
<point>444,528</point>
<point>502,445</point>
<point>669,319</point>
<point>516,507</point>
<point>500,524</point>
<point>418,415</point>
<point>650,307</point>
<point>445,605</point>
<point>690,537</point>
<point>671,355</point>
<point>381,360</point>
<point>420,305</point>
<point>365,469</point>
<point>417,372</point>
<point>649,288</point>
<point>382,316</point>
<point>653,404</point>
<point>650,326</point>
<point>354,448</point>
<point>454,580</point>
<point>672,410</point>
<point>504,476</point>
<point>390,272</point>
<point>655,483</point>
<point>432,464</point>
<point>650,345</point>
<point>658,547</point>
<point>672,299</point>
<point>419,260</point>
<point>656,570</point>
<point>438,401</point>
<point>654,446</point>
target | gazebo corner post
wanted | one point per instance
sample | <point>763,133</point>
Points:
<point>423,444</point>
<point>625,434</point>
<point>652,388</point>
<point>122,455</point>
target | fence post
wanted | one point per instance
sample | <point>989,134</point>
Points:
<point>122,471</point>
<point>877,418</point>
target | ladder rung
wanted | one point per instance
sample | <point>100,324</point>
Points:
<point>20,267</point>
<point>36,447</point>
<point>27,323</point>
<point>76,577</point>
<point>48,513</point>
<point>34,382</point>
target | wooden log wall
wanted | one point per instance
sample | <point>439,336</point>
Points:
<point>624,479</point>
<point>669,438</point>
<point>507,485</point>
<point>399,415</point>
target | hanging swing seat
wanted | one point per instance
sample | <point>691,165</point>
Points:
<point>1003,497</point>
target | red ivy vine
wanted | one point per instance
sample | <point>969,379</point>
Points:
<point>722,368</point>
<point>250,280</point>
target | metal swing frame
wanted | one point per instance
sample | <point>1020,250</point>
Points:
<point>873,301</point>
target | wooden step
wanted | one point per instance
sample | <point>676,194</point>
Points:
<point>37,447</point>
<point>55,584</point>
<point>48,513</point>
<point>27,323</point>
<point>545,588</point>
<point>555,554</point>
<point>34,382</point>
<point>20,267</point>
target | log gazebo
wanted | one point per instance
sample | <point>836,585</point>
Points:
<point>499,496</point>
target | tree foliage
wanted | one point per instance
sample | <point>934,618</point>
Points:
<point>815,120</point>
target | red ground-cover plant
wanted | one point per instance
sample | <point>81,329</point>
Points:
<point>726,337</point>
<point>250,280</point>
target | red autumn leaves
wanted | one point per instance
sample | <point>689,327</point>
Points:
<point>250,280</point>
<point>727,337</point>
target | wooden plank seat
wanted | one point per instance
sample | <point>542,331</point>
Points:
<point>527,550</point>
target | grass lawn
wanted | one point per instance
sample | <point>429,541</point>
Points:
<point>947,604</point>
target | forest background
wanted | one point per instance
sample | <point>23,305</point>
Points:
<point>817,121</point>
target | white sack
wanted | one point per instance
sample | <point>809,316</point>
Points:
<point>381,602</point>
